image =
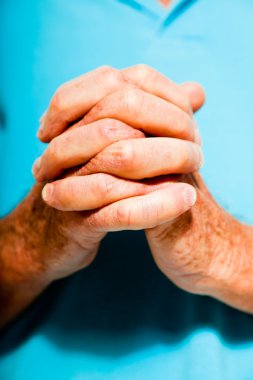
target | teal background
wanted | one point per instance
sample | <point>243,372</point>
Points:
<point>121,318</point>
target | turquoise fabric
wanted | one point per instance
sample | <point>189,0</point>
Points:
<point>121,318</point>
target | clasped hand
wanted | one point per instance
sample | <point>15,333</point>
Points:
<point>117,141</point>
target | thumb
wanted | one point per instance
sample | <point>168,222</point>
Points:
<point>195,93</point>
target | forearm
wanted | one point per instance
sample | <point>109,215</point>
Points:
<point>234,285</point>
<point>22,238</point>
<point>206,251</point>
<point>228,245</point>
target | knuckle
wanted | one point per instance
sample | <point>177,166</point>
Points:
<point>55,149</point>
<point>104,186</point>
<point>117,157</point>
<point>155,77</point>
<point>93,220</point>
<point>108,128</point>
<point>143,69</point>
<point>123,215</point>
<point>103,69</point>
<point>122,155</point>
<point>58,101</point>
<point>113,77</point>
<point>112,130</point>
<point>150,73</point>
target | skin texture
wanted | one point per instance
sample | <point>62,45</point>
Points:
<point>71,100</point>
<point>206,251</point>
<point>165,2</point>
<point>61,243</point>
<point>108,191</point>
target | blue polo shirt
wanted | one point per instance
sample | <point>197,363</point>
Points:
<point>121,318</point>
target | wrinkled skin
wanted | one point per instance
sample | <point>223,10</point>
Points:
<point>201,248</point>
<point>206,251</point>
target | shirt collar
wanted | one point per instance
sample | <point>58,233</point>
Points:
<point>155,10</point>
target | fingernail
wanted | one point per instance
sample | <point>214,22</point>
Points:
<point>36,166</point>
<point>190,197</point>
<point>47,192</point>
